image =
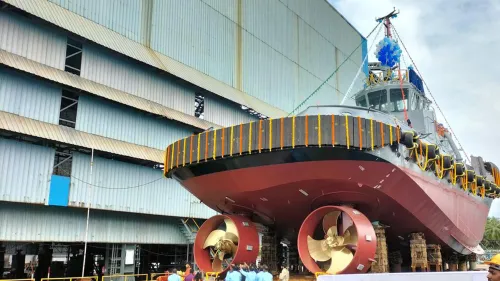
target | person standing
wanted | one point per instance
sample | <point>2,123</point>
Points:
<point>494,270</point>
<point>264,274</point>
<point>174,276</point>
<point>188,276</point>
<point>285,274</point>
<point>248,272</point>
<point>233,274</point>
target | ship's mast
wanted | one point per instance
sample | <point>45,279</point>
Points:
<point>387,22</point>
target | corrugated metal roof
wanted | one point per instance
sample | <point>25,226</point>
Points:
<point>33,223</point>
<point>74,81</point>
<point>31,127</point>
<point>119,43</point>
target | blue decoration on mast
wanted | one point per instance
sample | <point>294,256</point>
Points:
<point>388,52</point>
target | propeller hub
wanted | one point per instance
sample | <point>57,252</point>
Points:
<point>334,241</point>
<point>224,245</point>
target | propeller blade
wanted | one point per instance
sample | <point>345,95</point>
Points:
<point>213,238</point>
<point>231,227</point>
<point>231,236</point>
<point>317,250</point>
<point>234,248</point>
<point>332,232</point>
<point>351,236</point>
<point>330,220</point>
<point>217,264</point>
<point>340,260</point>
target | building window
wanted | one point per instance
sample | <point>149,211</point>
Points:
<point>199,106</point>
<point>73,62</point>
<point>62,162</point>
<point>69,106</point>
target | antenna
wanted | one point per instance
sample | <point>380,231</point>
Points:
<point>387,21</point>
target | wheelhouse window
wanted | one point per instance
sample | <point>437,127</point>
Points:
<point>414,101</point>
<point>361,101</point>
<point>398,104</point>
<point>378,100</point>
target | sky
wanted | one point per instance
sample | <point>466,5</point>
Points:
<point>454,45</point>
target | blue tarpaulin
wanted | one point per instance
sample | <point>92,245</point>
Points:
<point>417,81</point>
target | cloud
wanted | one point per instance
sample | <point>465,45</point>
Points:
<point>455,46</point>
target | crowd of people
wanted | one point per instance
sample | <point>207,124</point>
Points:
<point>239,272</point>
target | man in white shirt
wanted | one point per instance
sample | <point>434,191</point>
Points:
<point>284,275</point>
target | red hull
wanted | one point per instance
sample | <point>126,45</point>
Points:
<point>407,201</point>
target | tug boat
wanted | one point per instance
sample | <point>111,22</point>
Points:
<point>347,185</point>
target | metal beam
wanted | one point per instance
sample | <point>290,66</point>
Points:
<point>62,162</point>
<point>63,109</point>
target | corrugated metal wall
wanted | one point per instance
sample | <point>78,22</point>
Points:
<point>122,16</point>
<point>116,121</point>
<point>223,112</point>
<point>23,37</point>
<point>31,223</point>
<point>108,68</point>
<point>25,171</point>
<point>131,188</point>
<point>287,48</point>
<point>25,96</point>
<point>197,35</point>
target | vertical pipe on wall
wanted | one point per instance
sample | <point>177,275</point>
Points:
<point>239,50</point>
<point>88,213</point>
<point>146,22</point>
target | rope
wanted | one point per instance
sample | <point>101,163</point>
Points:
<point>115,188</point>
<point>360,67</point>
<point>331,75</point>
<point>430,93</point>
<point>402,94</point>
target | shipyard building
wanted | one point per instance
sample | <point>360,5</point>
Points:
<point>91,93</point>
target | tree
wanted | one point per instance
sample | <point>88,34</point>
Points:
<point>491,239</point>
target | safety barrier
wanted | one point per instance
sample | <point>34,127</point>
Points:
<point>160,276</point>
<point>379,79</point>
<point>86,278</point>
<point>211,274</point>
<point>319,273</point>
<point>196,226</point>
<point>126,277</point>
